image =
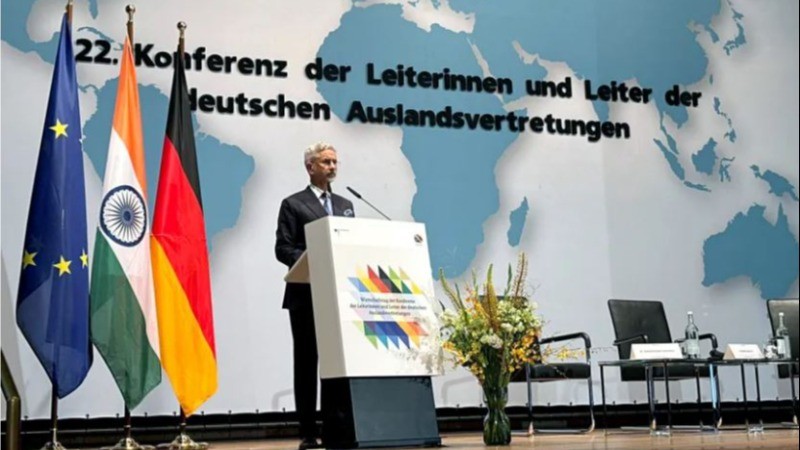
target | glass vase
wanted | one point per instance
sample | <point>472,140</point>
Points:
<point>496,425</point>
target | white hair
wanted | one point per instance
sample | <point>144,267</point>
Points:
<point>315,149</point>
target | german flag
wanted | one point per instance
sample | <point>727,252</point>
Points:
<point>180,260</point>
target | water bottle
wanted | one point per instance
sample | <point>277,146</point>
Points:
<point>691,344</point>
<point>782,339</point>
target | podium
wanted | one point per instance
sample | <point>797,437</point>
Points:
<point>377,331</point>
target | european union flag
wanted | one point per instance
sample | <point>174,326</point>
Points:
<point>53,298</point>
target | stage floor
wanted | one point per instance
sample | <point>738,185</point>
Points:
<point>772,439</point>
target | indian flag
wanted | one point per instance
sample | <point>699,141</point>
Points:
<point>123,311</point>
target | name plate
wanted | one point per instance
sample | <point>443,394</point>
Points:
<point>656,351</point>
<point>743,351</point>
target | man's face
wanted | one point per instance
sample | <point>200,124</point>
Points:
<point>322,169</point>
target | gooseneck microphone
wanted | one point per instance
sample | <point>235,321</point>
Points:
<point>358,196</point>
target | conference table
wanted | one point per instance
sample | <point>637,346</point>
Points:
<point>713,366</point>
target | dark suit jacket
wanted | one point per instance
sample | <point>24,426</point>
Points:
<point>290,239</point>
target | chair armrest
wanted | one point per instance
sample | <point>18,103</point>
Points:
<point>710,337</point>
<point>587,341</point>
<point>632,339</point>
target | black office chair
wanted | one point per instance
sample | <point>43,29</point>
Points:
<point>790,307</point>
<point>644,321</point>
<point>545,372</point>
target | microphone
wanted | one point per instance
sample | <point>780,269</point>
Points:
<point>358,196</point>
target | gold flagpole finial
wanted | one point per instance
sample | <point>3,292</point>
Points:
<point>70,4</point>
<point>181,30</point>
<point>130,9</point>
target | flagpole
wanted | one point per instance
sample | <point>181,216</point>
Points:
<point>66,195</point>
<point>54,415</point>
<point>69,12</point>
<point>131,10</point>
<point>181,31</point>
<point>54,444</point>
<point>127,423</point>
<point>183,423</point>
<point>183,441</point>
<point>127,442</point>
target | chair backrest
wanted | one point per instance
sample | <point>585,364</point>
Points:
<point>790,307</point>
<point>637,317</point>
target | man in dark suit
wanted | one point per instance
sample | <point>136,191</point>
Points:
<point>313,202</point>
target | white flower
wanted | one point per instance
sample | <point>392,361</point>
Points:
<point>493,341</point>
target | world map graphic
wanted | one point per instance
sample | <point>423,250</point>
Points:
<point>665,52</point>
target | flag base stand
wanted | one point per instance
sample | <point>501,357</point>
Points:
<point>55,445</point>
<point>128,444</point>
<point>183,442</point>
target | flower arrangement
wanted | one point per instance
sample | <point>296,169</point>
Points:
<point>493,336</point>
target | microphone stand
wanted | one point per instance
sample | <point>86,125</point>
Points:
<point>358,196</point>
